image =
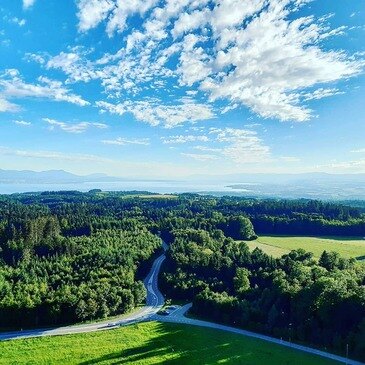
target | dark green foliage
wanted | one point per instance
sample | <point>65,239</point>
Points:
<point>71,256</point>
<point>69,262</point>
<point>320,303</point>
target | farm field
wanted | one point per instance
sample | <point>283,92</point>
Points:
<point>279,245</point>
<point>152,343</point>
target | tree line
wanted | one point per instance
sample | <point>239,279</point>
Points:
<point>69,256</point>
<point>295,297</point>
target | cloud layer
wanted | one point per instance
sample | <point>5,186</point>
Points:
<point>263,55</point>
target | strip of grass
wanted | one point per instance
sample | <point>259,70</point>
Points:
<point>153,343</point>
<point>279,245</point>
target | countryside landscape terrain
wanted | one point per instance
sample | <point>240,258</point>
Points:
<point>71,257</point>
<point>182,182</point>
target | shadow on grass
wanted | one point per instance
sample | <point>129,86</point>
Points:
<point>178,346</point>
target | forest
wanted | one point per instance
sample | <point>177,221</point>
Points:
<point>67,257</point>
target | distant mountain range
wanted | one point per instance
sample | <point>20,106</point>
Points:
<point>283,178</point>
<point>50,177</point>
<point>306,185</point>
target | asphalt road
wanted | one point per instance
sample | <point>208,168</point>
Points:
<point>154,302</point>
<point>178,316</point>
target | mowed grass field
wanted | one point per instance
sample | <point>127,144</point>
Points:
<point>153,343</point>
<point>279,245</point>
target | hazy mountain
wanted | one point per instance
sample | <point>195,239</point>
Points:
<point>308,185</point>
<point>281,178</point>
<point>50,177</point>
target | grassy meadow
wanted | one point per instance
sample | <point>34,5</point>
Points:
<point>152,343</point>
<point>279,245</point>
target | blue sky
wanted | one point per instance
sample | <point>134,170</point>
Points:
<point>147,88</point>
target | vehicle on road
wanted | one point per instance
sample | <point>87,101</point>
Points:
<point>163,312</point>
<point>113,324</point>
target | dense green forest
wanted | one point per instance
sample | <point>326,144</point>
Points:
<point>295,297</point>
<point>71,256</point>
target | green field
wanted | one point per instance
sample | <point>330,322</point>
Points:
<point>279,245</point>
<point>152,343</point>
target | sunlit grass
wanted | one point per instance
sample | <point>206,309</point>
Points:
<point>152,343</point>
<point>279,245</point>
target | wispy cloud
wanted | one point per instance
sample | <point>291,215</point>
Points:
<point>155,113</point>
<point>52,155</point>
<point>180,139</point>
<point>22,123</point>
<point>17,21</point>
<point>120,141</point>
<point>353,166</point>
<point>28,3</point>
<point>207,149</point>
<point>116,12</point>
<point>263,55</point>
<point>237,146</point>
<point>200,157</point>
<point>12,86</point>
<point>7,106</point>
<point>241,145</point>
<point>73,127</point>
<point>289,158</point>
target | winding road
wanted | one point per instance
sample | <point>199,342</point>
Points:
<point>178,316</point>
<point>154,302</point>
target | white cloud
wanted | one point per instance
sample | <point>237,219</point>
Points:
<point>125,141</point>
<point>183,139</point>
<point>17,21</point>
<point>7,106</point>
<point>237,147</point>
<point>253,125</point>
<point>241,146</point>
<point>154,112</point>
<point>194,62</point>
<point>360,150</point>
<point>13,86</point>
<point>92,12</point>
<point>73,127</point>
<point>22,123</point>
<point>269,59</point>
<point>263,56</point>
<point>116,12</point>
<point>190,21</point>
<point>200,157</point>
<point>354,166</point>
<point>52,155</point>
<point>289,158</point>
<point>72,65</point>
<point>125,8</point>
<point>207,149</point>
<point>321,93</point>
<point>28,3</point>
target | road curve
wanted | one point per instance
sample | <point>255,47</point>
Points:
<point>178,316</point>
<point>154,302</point>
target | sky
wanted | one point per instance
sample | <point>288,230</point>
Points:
<point>158,89</point>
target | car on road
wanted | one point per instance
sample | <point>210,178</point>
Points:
<point>163,312</point>
<point>172,307</point>
<point>113,324</point>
